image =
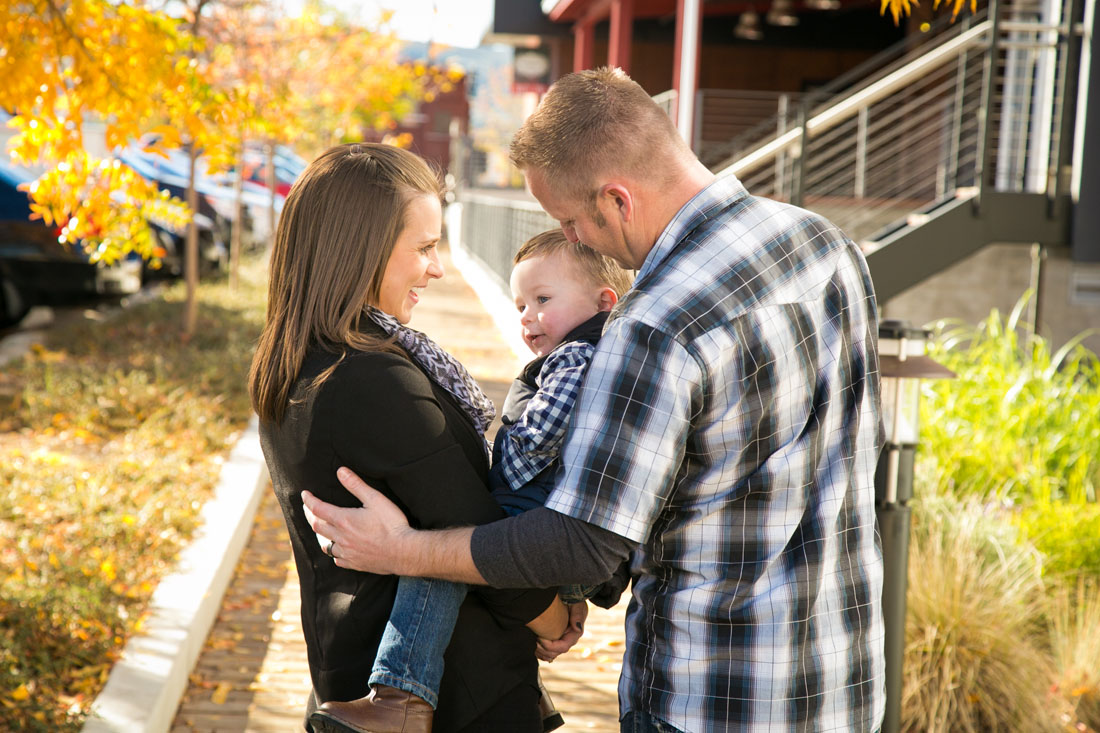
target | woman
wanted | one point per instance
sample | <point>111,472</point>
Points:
<point>338,381</point>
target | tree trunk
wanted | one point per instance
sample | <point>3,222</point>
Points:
<point>238,223</point>
<point>191,252</point>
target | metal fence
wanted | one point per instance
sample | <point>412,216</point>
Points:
<point>494,225</point>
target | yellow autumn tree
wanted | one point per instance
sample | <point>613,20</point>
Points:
<point>357,79</point>
<point>65,61</point>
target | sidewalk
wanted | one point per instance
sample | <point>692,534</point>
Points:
<point>252,674</point>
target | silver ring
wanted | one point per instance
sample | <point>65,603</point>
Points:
<point>327,549</point>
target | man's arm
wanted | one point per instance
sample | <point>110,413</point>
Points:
<point>538,549</point>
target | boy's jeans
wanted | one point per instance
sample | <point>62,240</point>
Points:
<point>410,655</point>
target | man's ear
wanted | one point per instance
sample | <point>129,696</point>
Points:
<point>606,299</point>
<point>621,198</point>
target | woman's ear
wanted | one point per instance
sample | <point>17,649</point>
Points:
<point>607,299</point>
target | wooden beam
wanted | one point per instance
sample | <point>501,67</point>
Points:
<point>584,37</point>
<point>622,29</point>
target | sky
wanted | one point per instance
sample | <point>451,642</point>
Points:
<point>453,22</point>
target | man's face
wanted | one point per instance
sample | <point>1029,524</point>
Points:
<point>581,221</point>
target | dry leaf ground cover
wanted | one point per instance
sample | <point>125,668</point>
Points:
<point>112,436</point>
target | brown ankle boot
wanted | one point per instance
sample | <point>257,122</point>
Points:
<point>384,710</point>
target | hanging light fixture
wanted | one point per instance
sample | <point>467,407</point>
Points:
<point>823,4</point>
<point>780,14</point>
<point>748,26</point>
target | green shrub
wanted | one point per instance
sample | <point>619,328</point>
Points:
<point>1020,423</point>
<point>1068,535</point>
<point>975,657</point>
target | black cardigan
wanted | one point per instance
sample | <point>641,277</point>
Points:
<point>380,415</point>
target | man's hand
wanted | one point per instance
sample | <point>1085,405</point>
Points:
<point>377,538</point>
<point>548,650</point>
<point>368,538</point>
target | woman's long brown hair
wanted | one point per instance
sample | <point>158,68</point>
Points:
<point>334,239</point>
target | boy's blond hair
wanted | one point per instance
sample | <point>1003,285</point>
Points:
<point>599,270</point>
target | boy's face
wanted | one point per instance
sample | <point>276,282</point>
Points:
<point>553,298</point>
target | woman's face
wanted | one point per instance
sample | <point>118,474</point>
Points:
<point>414,260</point>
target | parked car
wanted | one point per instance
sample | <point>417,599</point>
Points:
<point>13,306</point>
<point>217,196</point>
<point>288,166</point>
<point>38,266</point>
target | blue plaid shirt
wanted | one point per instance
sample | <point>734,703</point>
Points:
<point>534,441</point>
<point>730,423</point>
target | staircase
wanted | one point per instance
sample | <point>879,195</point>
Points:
<point>931,151</point>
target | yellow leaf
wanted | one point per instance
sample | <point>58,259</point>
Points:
<point>20,693</point>
<point>221,692</point>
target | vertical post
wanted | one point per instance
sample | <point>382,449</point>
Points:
<point>688,21</point>
<point>781,158</point>
<point>622,28</point>
<point>861,152</point>
<point>584,36</point>
<point>989,90</point>
<point>799,172</point>
<point>955,143</point>
<point>1085,238</point>
<point>697,133</point>
<point>1070,53</point>
<point>893,489</point>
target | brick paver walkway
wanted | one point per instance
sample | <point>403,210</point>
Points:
<point>252,674</point>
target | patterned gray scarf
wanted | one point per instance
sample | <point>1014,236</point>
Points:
<point>443,368</point>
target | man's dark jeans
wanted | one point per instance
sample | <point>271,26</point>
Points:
<point>637,721</point>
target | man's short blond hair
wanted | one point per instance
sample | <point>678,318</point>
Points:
<point>593,123</point>
<point>599,270</point>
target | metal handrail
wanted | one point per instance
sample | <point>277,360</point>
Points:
<point>850,106</point>
<point>979,106</point>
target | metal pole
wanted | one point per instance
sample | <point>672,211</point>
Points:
<point>956,124</point>
<point>893,489</point>
<point>894,477</point>
<point>861,153</point>
<point>799,173</point>
<point>781,156</point>
<point>989,89</point>
<point>689,56</point>
<point>1070,43</point>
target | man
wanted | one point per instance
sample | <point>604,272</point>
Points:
<point>726,433</point>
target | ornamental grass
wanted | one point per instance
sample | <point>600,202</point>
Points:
<point>1075,646</point>
<point>112,435</point>
<point>974,658</point>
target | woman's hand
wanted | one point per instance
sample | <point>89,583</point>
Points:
<point>548,650</point>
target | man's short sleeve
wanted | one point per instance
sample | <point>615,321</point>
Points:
<point>628,432</point>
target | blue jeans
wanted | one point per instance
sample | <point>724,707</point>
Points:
<point>637,721</point>
<point>410,655</point>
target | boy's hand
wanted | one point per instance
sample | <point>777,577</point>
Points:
<point>548,650</point>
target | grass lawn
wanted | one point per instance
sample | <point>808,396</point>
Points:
<point>112,436</point>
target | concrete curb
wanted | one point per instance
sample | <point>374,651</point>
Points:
<point>146,685</point>
<point>493,293</point>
